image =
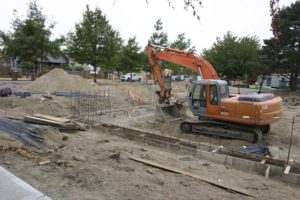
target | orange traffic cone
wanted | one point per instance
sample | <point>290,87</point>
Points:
<point>139,100</point>
<point>129,94</point>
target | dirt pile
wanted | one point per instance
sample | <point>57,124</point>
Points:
<point>58,80</point>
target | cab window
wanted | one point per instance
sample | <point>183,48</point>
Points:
<point>199,96</point>
<point>203,96</point>
<point>213,95</point>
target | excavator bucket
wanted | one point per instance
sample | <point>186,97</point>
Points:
<point>167,113</point>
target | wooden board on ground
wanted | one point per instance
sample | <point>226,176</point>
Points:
<point>57,119</point>
<point>203,178</point>
<point>60,125</point>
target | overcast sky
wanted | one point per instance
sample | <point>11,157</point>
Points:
<point>136,18</point>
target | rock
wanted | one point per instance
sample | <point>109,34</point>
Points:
<point>42,99</point>
<point>203,163</point>
<point>65,138</point>
<point>187,158</point>
<point>143,149</point>
<point>47,96</point>
<point>206,164</point>
<point>116,156</point>
<point>150,171</point>
<point>184,183</point>
<point>62,162</point>
<point>103,141</point>
<point>79,158</point>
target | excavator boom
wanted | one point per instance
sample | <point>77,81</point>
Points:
<point>185,59</point>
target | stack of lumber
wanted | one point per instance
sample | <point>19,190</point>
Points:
<point>60,123</point>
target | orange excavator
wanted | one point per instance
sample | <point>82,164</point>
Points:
<point>245,117</point>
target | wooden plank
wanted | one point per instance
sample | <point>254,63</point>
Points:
<point>42,121</point>
<point>65,126</point>
<point>57,119</point>
<point>202,178</point>
<point>45,162</point>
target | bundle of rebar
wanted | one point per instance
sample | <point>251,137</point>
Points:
<point>26,133</point>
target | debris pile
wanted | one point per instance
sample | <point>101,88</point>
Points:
<point>5,92</point>
<point>59,80</point>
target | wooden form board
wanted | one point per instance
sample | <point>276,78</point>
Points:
<point>202,178</point>
<point>42,121</point>
<point>37,120</point>
<point>57,119</point>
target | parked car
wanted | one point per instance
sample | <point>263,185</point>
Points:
<point>177,77</point>
<point>128,76</point>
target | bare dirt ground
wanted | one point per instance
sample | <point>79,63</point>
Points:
<point>94,164</point>
<point>96,171</point>
<point>277,140</point>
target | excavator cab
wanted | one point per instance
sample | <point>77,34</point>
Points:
<point>206,95</point>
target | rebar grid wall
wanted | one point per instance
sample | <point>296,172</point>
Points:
<point>92,108</point>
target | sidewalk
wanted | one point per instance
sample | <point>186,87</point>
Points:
<point>13,188</point>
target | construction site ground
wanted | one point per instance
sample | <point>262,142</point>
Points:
<point>95,164</point>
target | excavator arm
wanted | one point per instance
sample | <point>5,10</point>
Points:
<point>185,59</point>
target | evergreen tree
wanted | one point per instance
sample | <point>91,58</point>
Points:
<point>94,41</point>
<point>30,39</point>
<point>184,44</point>
<point>131,59</point>
<point>234,57</point>
<point>282,51</point>
<point>159,37</point>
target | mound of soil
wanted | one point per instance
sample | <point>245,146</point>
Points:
<point>58,80</point>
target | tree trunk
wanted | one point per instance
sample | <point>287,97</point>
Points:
<point>293,81</point>
<point>35,74</point>
<point>95,75</point>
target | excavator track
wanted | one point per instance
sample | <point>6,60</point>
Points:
<point>223,130</point>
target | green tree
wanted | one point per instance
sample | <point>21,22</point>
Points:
<point>29,40</point>
<point>282,52</point>
<point>131,59</point>
<point>94,41</point>
<point>144,63</point>
<point>234,57</point>
<point>159,37</point>
<point>185,44</point>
